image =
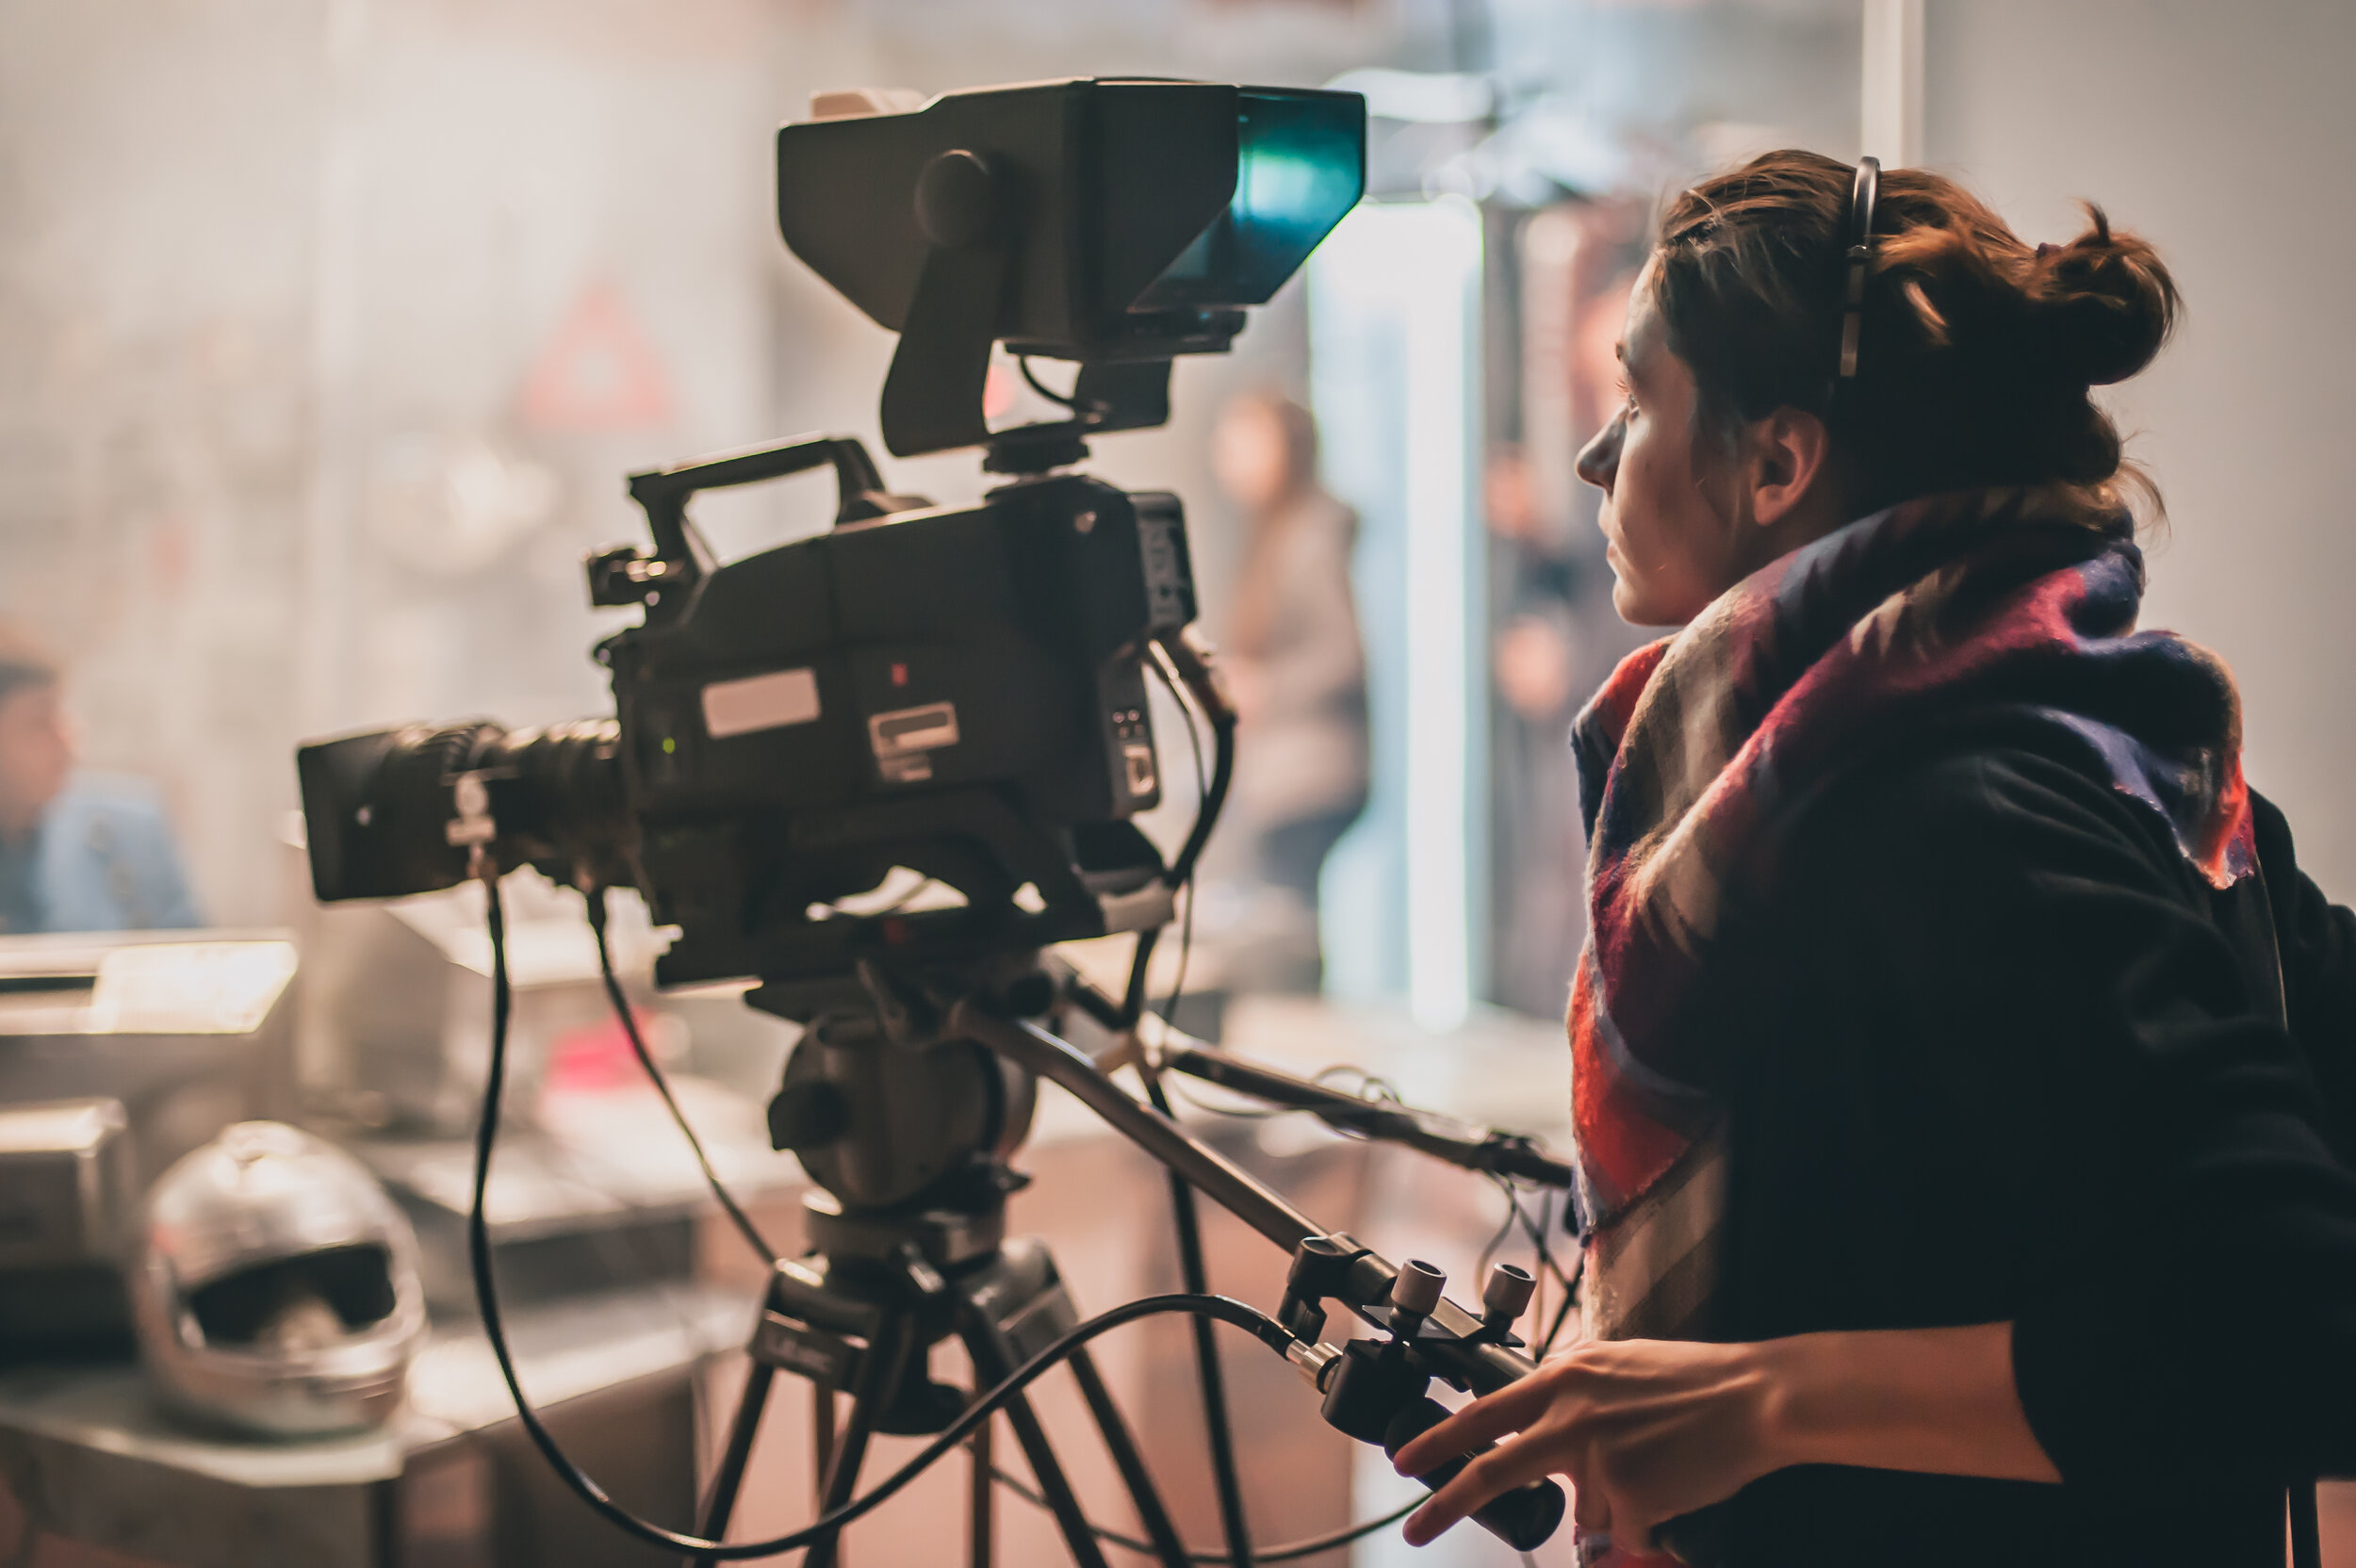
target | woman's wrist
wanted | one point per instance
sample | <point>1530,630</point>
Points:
<point>1939,1400</point>
<point>1796,1418</point>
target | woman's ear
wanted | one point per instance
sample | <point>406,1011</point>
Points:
<point>1790,470</point>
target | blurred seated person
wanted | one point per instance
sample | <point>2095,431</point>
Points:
<point>78,851</point>
<point>1298,671</point>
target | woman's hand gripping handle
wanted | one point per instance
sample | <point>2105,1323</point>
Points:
<point>1649,1430</point>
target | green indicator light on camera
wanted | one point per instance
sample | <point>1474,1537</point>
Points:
<point>669,745</point>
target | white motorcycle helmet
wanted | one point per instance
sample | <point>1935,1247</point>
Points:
<point>276,1290</point>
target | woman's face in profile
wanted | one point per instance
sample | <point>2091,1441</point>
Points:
<point>1671,550</point>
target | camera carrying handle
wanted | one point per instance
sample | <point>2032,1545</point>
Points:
<point>628,576</point>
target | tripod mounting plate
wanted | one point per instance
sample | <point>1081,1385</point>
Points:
<point>865,1326</point>
<point>943,1239</point>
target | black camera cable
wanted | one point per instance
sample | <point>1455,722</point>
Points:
<point>1204,1307</point>
<point>596,900</point>
<point>1195,1277</point>
<point>1203,810</point>
<point>1194,1273</point>
<point>1504,1234</point>
<point>1569,1279</point>
<point>1022,363</point>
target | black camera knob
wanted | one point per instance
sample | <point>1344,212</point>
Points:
<point>808,1116</point>
<point>956,200</point>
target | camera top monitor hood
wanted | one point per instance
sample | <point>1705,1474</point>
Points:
<point>1113,222</point>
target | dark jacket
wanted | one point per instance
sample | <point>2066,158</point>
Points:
<point>2010,1058</point>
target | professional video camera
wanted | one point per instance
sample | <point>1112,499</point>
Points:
<point>960,693</point>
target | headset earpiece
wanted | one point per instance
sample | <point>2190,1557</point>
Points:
<point>1862,197</point>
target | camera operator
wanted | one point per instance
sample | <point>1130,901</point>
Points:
<point>78,852</point>
<point>1963,1067</point>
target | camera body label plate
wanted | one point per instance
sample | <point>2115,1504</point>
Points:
<point>760,702</point>
<point>903,739</point>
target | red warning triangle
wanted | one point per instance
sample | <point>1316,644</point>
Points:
<point>598,371</point>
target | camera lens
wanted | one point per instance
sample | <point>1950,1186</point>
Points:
<point>387,813</point>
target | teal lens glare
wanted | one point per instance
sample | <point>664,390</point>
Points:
<point>1300,168</point>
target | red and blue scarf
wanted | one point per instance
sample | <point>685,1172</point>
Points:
<point>1698,752</point>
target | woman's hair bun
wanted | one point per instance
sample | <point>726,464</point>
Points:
<point>2102,304</point>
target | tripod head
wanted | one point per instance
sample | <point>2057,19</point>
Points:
<point>896,1116</point>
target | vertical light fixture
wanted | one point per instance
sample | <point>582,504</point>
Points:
<point>1890,100</point>
<point>1395,339</point>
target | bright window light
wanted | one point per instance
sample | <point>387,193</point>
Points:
<point>1395,296</point>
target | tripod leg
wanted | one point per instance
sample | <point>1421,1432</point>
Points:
<point>883,1368</point>
<point>1196,1277</point>
<point>821,1441</point>
<point>841,1476</point>
<point>2306,1528</point>
<point>990,1365</point>
<point>1134,1475</point>
<point>730,1476</point>
<point>982,1534</point>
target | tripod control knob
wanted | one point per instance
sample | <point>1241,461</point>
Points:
<point>1506,1294</point>
<point>808,1116</point>
<point>1417,1288</point>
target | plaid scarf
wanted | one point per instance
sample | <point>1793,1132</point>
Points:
<point>1698,751</point>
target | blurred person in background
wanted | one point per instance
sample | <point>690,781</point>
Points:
<point>78,851</point>
<point>1536,665</point>
<point>1299,673</point>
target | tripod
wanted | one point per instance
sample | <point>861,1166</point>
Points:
<point>861,1312</point>
<point>860,1315</point>
<point>866,1104</point>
